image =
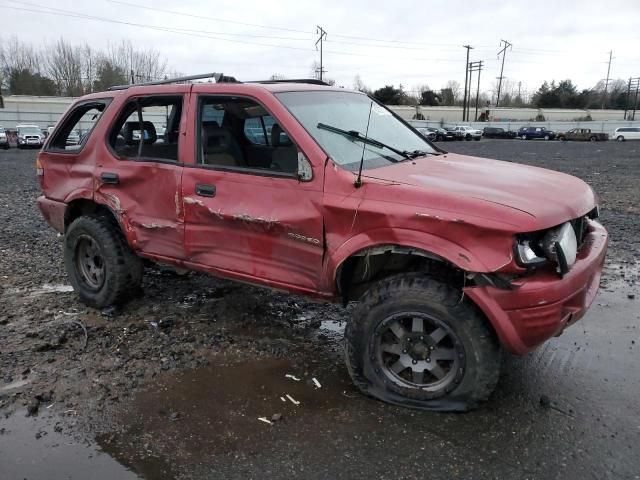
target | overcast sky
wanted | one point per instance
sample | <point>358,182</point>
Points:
<point>391,42</point>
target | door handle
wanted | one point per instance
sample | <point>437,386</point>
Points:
<point>108,177</point>
<point>205,190</point>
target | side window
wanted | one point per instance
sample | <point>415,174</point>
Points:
<point>239,134</point>
<point>148,128</point>
<point>254,131</point>
<point>74,132</point>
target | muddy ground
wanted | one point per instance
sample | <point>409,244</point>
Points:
<point>172,385</point>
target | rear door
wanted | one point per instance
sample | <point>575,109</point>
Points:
<point>141,179</point>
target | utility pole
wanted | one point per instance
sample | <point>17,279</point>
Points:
<point>606,82</point>
<point>323,36</point>
<point>504,54</point>
<point>633,85</point>
<point>466,81</point>
<point>635,101</point>
<point>476,67</point>
<point>519,94</point>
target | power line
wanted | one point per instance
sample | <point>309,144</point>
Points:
<point>504,54</point>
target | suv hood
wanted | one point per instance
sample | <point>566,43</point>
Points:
<point>549,196</point>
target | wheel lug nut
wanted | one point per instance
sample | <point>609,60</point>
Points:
<point>414,361</point>
<point>431,347</point>
<point>428,360</point>
<point>421,337</point>
<point>404,351</point>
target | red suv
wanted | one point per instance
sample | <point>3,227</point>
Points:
<point>324,192</point>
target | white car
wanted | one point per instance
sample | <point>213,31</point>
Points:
<point>29,136</point>
<point>626,133</point>
<point>464,132</point>
<point>4,140</point>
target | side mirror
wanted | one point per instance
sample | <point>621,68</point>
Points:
<point>305,172</point>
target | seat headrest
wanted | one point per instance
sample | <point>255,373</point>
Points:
<point>276,137</point>
<point>148,131</point>
<point>214,138</point>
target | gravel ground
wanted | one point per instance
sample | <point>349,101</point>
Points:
<point>172,385</point>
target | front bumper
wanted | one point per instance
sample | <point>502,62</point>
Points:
<point>542,305</point>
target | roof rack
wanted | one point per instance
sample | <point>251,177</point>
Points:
<point>218,77</point>
<point>312,81</point>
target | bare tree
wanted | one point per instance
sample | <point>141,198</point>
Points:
<point>454,86</point>
<point>64,65</point>
<point>277,76</point>
<point>141,65</point>
<point>358,84</point>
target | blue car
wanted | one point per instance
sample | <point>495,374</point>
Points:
<point>531,133</point>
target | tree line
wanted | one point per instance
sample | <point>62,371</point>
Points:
<point>65,69</point>
<point>562,94</point>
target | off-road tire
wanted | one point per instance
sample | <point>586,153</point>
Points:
<point>123,268</point>
<point>420,293</point>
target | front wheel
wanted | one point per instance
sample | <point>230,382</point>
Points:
<point>620,138</point>
<point>467,138</point>
<point>415,342</point>
<point>523,137</point>
<point>102,269</point>
<point>547,137</point>
<point>593,139</point>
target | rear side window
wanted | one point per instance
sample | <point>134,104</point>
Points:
<point>148,128</point>
<point>75,129</point>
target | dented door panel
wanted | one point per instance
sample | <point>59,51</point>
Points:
<point>266,228</point>
<point>146,200</point>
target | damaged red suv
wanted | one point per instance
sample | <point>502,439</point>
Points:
<point>324,192</point>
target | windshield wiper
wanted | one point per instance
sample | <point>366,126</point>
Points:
<point>354,134</point>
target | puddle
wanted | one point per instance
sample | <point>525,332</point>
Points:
<point>334,327</point>
<point>214,412</point>
<point>30,448</point>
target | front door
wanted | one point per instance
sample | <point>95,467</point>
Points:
<point>247,214</point>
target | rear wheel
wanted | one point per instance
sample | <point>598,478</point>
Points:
<point>523,137</point>
<point>562,139</point>
<point>593,139</point>
<point>467,137</point>
<point>413,342</point>
<point>547,137</point>
<point>101,266</point>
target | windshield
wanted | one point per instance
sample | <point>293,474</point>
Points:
<point>350,111</point>
<point>29,130</point>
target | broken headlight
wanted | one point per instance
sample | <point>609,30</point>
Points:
<point>558,245</point>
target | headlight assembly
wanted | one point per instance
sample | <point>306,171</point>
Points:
<point>558,245</point>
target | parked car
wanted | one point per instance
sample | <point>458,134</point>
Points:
<point>450,258</point>
<point>467,133</point>
<point>29,136</point>
<point>4,139</point>
<point>532,133</point>
<point>442,134</point>
<point>428,133</point>
<point>582,134</point>
<point>73,138</point>
<point>497,132</point>
<point>626,133</point>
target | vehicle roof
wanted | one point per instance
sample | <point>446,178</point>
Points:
<point>27,125</point>
<point>222,88</point>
